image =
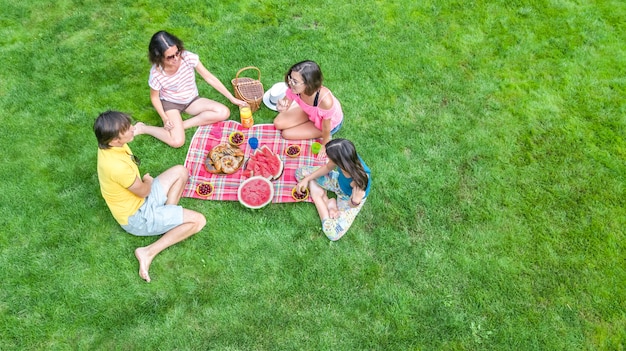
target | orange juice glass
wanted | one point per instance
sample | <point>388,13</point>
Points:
<point>245,113</point>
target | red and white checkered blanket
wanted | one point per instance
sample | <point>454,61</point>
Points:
<point>225,186</point>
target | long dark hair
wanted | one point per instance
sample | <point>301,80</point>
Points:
<point>343,153</point>
<point>311,73</point>
<point>160,42</point>
<point>109,125</point>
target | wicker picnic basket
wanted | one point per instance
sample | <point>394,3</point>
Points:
<point>248,89</point>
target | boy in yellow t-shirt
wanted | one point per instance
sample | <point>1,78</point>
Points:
<point>141,205</point>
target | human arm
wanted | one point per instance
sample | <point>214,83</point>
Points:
<point>326,137</point>
<point>324,111</point>
<point>357,195</point>
<point>325,169</point>
<point>158,106</point>
<point>142,187</point>
<point>217,84</point>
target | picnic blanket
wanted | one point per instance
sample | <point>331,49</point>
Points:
<point>226,185</point>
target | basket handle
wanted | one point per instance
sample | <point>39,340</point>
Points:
<point>249,67</point>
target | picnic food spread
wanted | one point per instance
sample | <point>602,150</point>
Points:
<point>268,142</point>
<point>224,158</point>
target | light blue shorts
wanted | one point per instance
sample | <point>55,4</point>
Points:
<point>154,217</point>
<point>336,129</point>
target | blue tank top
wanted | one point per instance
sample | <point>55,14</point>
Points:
<point>344,182</point>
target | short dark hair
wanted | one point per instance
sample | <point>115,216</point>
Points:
<point>109,125</point>
<point>311,74</point>
<point>160,42</point>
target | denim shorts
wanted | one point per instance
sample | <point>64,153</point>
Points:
<point>154,217</point>
<point>336,129</point>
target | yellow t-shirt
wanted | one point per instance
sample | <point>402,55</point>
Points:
<point>116,173</point>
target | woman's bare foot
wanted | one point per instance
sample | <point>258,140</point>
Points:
<point>139,128</point>
<point>144,263</point>
<point>333,211</point>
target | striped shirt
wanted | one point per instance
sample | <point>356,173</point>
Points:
<point>179,88</point>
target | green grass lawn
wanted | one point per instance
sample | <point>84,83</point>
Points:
<point>496,136</point>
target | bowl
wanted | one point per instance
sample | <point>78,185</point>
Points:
<point>236,138</point>
<point>205,189</point>
<point>299,197</point>
<point>292,150</point>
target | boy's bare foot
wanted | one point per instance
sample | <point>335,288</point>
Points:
<point>333,211</point>
<point>139,128</point>
<point>144,263</point>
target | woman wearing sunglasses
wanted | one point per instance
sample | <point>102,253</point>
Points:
<point>316,113</point>
<point>173,90</point>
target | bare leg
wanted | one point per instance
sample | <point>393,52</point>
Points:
<point>173,180</point>
<point>295,124</point>
<point>294,116</point>
<point>193,222</point>
<point>306,130</point>
<point>204,112</point>
<point>174,137</point>
<point>333,210</point>
<point>320,199</point>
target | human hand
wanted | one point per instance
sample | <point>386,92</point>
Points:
<point>147,178</point>
<point>302,186</point>
<point>238,102</point>
<point>282,105</point>
<point>358,193</point>
<point>357,196</point>
<point>168,125</point>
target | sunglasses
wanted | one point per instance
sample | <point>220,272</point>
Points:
<point>171,57</point>
<point>136,160</point>
<point>293,82</point>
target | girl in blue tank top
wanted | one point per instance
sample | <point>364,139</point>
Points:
<point>347,176</point>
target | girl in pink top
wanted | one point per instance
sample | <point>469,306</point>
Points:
<point>173,90</point>
<point>316,113</point>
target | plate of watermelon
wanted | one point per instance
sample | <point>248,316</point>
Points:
<point>255,192</point>
<point>263,162</point>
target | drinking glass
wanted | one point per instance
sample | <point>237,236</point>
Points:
<point>253,142</point>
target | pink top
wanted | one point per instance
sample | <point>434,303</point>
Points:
<point>179,88</point>
<point>316,114</point>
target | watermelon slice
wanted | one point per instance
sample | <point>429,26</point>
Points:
<point>255,192</point>
<point>265,163</point>
<point>266,151</point>
<point>275,166</point>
